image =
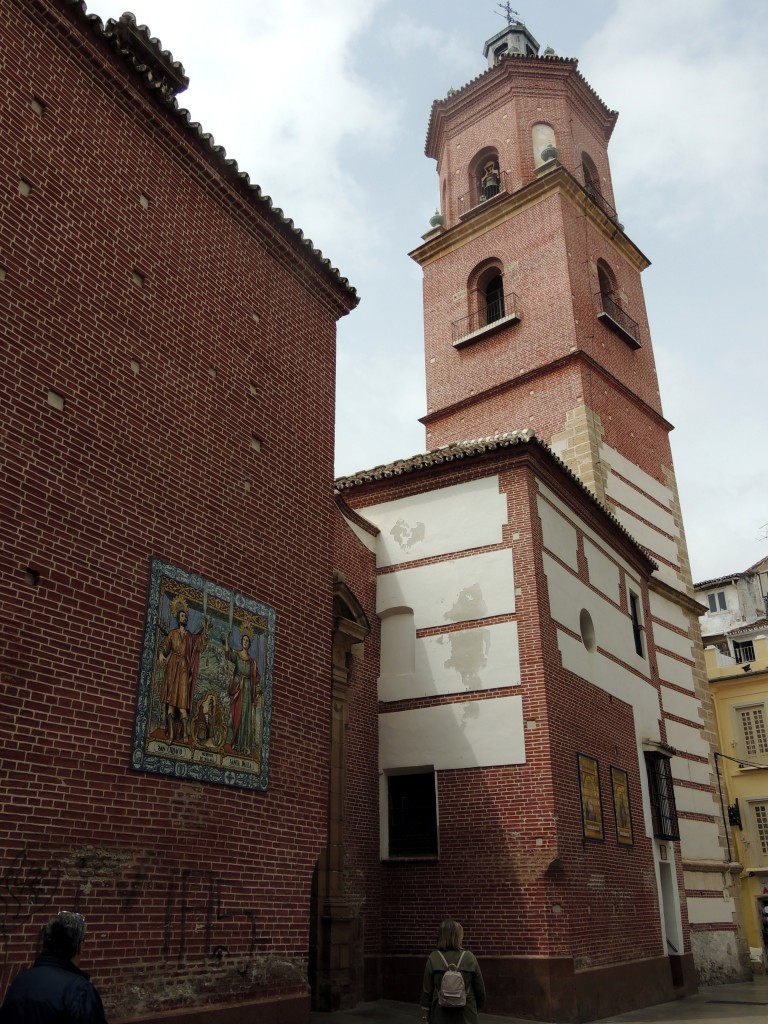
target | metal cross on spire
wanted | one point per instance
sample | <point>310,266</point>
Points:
<point>508,12</point>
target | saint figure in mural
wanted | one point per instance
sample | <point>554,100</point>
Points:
<point>245,694</point>
<point>179,657</point>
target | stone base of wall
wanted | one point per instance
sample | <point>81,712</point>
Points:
<point>719,957</point>
<point>550,989</point>
<point>286,1010</point>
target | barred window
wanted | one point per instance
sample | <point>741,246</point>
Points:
<point>761,820</point>
<point>662,793</point>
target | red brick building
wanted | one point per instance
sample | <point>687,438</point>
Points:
<point>545,732</point>
<point>156,401</point>
<point>263,740</point>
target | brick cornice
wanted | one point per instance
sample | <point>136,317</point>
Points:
<point>554,180</point>
<point>524,380</point>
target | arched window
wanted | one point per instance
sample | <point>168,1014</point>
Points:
<point>611,307</point>
<point>606,281</point>
<point>543,142</point>
<point>591,177</point>
<point>499,52</point>
<point>485,176</point>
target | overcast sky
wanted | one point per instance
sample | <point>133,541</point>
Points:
<point>325,104</point>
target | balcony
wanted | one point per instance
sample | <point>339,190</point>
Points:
<point>615,318</point>
<point>482,194</point>
<point>599,199</point>
<point>501,312</point>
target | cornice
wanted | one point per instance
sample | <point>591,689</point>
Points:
<point>524,379</point>
<point>679,597</point>
<point>554,180</point>
<point>519,71</point>
<point>522,444</point>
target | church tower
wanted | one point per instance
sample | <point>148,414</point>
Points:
<point>534,317</point>
<point>531,286</point>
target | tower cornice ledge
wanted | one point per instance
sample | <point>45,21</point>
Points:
<point>524,75</point>
<point>524,379</point>
<point>557,181</point>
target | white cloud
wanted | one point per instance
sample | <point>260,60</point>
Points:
<point>689,77</point>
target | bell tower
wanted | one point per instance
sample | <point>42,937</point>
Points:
<point>534,317</point>
<point>533,305</point>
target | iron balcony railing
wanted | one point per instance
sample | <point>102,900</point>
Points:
<point>503,309</point>
<point>482,193</point>
<point>618,320</point>
<point>743,651</point>
<point>599,199</point>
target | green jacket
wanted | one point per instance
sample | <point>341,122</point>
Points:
<point>473,982</point>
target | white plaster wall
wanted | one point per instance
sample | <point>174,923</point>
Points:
<point>613,628</point>
<point>667,611</point>
<point>673,642</point>
<point>680,705</point>
<point>588,533</point>
<point>367,539</point>
<point>693,771</point>
<point>445,521</point>
<point>683,737</point>
<point>707,909</point>
<point>649,537</point>
<point>457,590</point>
<point>603,572</point>
<point>472,734</point>
<point>479,658</point>
<point>559,535</point>
<point>635,475</point>
<point>695,801</point>
<point>699,839</point>
<point>634,500</point>
<point>676,672</point>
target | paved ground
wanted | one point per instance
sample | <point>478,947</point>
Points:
<point>724,1004</point>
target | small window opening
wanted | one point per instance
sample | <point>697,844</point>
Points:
<point>743,651</point>
<point>637,623</point>
<point>412,815</point>
<point>717,601</point>
<point>499,52</point>
<point>494,299</point>
<point>662,796</point>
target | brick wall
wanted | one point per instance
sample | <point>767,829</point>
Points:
<point>157,401</point>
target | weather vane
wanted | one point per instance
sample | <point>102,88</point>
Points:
<point>508,12</point>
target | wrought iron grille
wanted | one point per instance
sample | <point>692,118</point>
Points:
<point>504,307</point>
<point>662,794</point>
<point>627,327</point>
<point>599,199</point>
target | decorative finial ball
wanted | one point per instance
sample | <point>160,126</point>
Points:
<point>549,153</point>
<point>549,52</point>
<point>451,92</point>
<point>437,220</point>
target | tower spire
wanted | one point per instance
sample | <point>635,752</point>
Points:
<point>508,12</point>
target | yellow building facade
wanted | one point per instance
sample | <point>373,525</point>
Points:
<point>740,699</point>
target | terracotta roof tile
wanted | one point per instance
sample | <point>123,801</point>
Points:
<point>469,449</point>
<point>165,77</point>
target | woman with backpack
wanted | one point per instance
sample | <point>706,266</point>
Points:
<point>453,989</point>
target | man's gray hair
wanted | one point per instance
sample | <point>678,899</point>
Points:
<point>63,934</point>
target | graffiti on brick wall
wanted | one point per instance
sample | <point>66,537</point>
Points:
<point>199,913</point>
<point>27,884</point>
<point>205,685</point>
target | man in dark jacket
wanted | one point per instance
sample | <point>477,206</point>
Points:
<point>54,990</point>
